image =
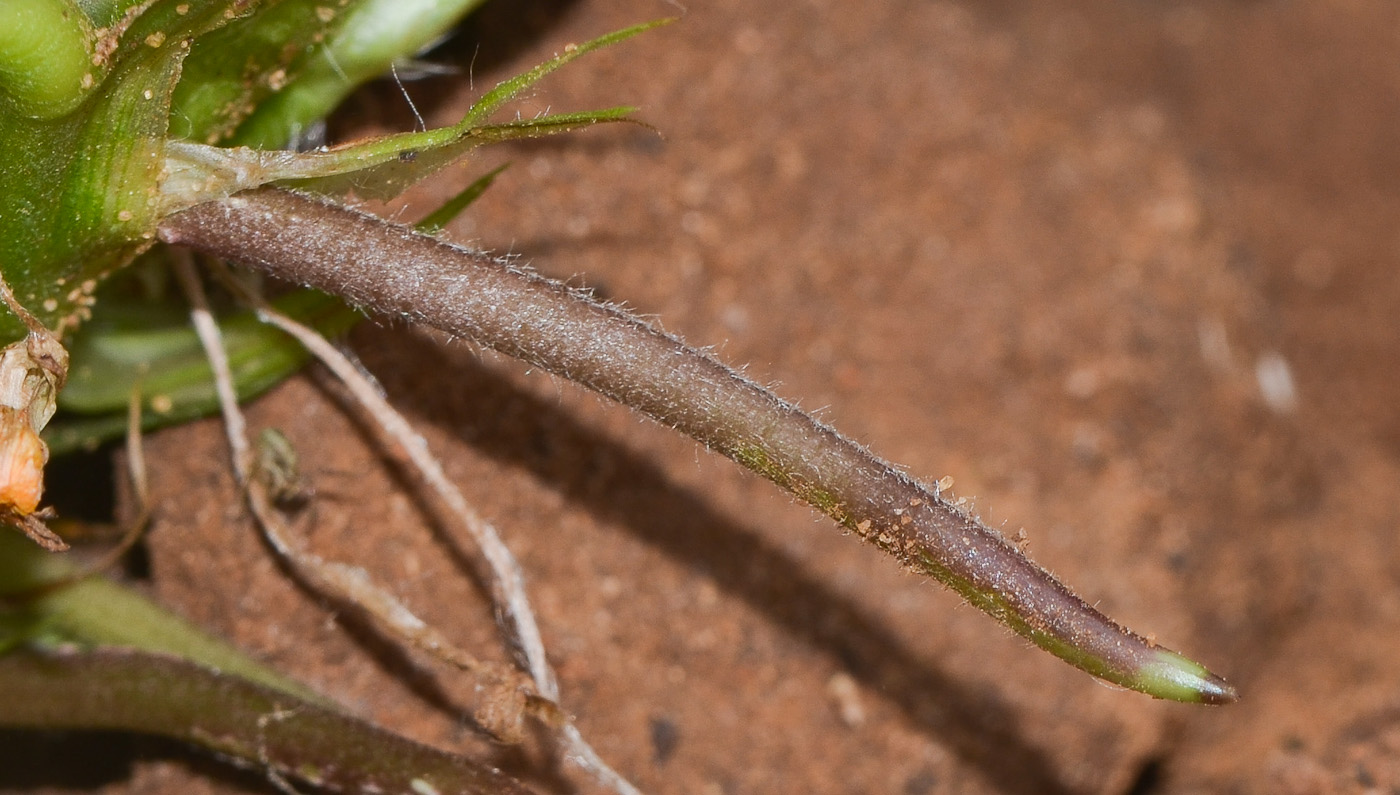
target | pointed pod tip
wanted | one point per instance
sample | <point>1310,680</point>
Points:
<point>1216,691</point>
<point>1172,676</point>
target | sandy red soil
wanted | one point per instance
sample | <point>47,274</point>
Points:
<point>1059,251</point>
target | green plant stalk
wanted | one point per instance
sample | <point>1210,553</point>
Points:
<point>121,689</point>
<point>92,654</point>
<point>396,271</point>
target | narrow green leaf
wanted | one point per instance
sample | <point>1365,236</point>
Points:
<point>375,169</point>
<point>151,347</point>
<point>509,89</point>
<point>97,612</point>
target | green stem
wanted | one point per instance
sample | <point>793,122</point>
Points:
<point>134,691</point>
<point>92,654</point>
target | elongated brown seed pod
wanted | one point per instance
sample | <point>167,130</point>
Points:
<point>393,270</point>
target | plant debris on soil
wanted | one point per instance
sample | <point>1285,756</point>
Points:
<point>1125,272</point>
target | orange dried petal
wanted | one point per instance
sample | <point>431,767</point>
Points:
<point>22,457</point>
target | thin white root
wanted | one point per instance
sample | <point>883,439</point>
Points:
<point>510,699</point>
<point>207,329</point>
<point>588,760</point>
<point>451,509</point>
<point>136,453</point>
<point>136,462</point>
<point>349,584</point>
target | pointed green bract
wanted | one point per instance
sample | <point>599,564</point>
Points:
<point>507,90</point>
<point>453,207</point>
<point>381,168</point>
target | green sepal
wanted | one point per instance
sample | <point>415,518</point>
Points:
<point>383,167</point>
